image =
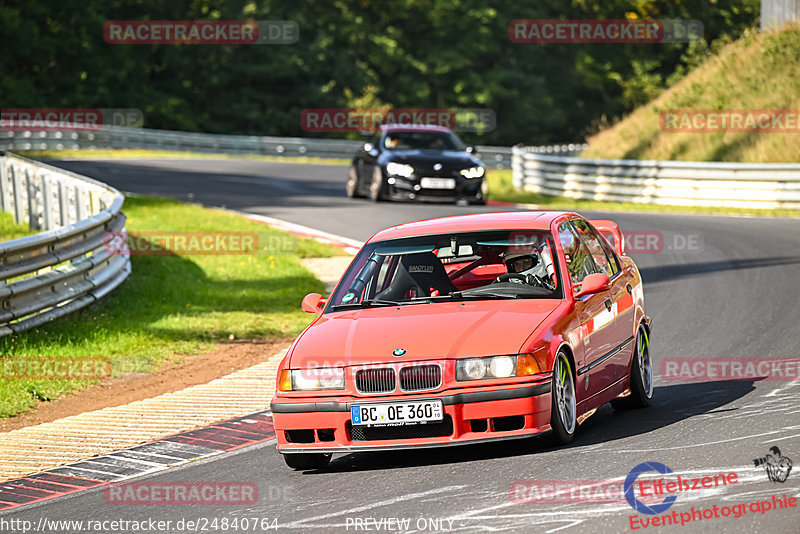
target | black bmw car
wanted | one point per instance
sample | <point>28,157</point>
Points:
<point>417,162</point>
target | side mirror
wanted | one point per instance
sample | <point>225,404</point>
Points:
<point>594,283</point>
<point>313,303</point>
<point>471,149</point>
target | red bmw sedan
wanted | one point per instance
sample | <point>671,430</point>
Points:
<point>467,329</point>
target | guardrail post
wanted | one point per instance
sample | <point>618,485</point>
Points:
<point>5,202</point>
<point>19,214</point>
<point>33,205</point>
<point>80,203</point>
<point>63,203</point>
<point>48,220</point>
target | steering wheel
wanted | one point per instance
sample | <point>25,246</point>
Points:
<point>511,277</point>
<point>530,279</point>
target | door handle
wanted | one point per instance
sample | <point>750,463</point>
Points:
<point>609,304</point>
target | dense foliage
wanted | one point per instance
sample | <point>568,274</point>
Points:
<point>356,53</point>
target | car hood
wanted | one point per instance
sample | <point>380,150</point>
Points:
<point>448,158</point>
<point>424,331</point>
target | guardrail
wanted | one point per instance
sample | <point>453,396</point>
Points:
<point>683,183</point>
<point>119,137</point>
<point>65,266</point>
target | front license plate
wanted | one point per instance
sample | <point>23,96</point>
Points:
<point>397,413</point>
<point>437,183</point>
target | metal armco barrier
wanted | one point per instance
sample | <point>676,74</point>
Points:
<point>66,265</point>
<point>118,137</point>
<point>682,183</point>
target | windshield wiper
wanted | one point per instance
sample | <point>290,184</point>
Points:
<point>458,295</point>
<point>373,302</point>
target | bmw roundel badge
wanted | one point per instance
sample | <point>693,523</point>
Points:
<point>398,352</point>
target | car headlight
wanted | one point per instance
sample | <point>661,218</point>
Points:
<point>473,172</point>
<point>400,169</point>
<point>497,367</point>
<point>311,379</point>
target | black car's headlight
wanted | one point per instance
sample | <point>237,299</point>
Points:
<point>400,169</point>
<point>473,172</point>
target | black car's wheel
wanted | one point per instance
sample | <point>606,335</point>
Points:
<point>352,183</point>
<point>562,414</point>
<point>376,187</point>
<point>641,376</point>
<point>307,461</point>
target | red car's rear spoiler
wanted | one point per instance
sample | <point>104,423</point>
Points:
<point>612,233</point>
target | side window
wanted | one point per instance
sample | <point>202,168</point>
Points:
<point>612,258</point>
<point>579,261</point>
<point>595,245</point>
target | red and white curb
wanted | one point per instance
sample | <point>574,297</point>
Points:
<point>139,460</point>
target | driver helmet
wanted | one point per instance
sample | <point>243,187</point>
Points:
<point>521,263</point>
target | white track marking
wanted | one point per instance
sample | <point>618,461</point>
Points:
<point>373,505</point>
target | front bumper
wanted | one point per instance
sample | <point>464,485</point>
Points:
<point>473,190</point>
<point>472,415</point>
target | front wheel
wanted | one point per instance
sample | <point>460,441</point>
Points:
<point>641,376</point>
<point>307,460</point>
<point>376,186</point>
<point>562,413</point>
<point>352,183</point>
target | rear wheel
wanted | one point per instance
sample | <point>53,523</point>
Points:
<point>562,413</point>
<point>376,186</point>
<point>352,183</point>
<point>307,460</point>
<point>641,376</point>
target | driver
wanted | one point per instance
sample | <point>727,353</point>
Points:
<point>529,266</point>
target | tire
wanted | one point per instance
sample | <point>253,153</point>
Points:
<point>314,460</point>
<point>563,411</point>
<point>641,376</point>
<point>376,186</point>
<point>352,183</point>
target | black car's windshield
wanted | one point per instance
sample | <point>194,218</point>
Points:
<point>422,140</point>
<point>460,266</point>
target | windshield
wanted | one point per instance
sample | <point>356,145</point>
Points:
<point>462,266</point>
<point>422,140</point>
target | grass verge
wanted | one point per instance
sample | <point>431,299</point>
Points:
<point>502,189</point>
<point>173,304</point>
<point>11,230</point>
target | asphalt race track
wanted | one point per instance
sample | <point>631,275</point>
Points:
<point>716,287</point>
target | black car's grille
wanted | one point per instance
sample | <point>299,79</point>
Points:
<point>382,433</point>
<point>420,377</point>
<point>375,380</point>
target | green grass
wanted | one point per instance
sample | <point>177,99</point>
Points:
<point>10,230</point>
<point>760,71</point>
<point>174,305</point>
<point>502,189</point>
<point>155,154</point>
